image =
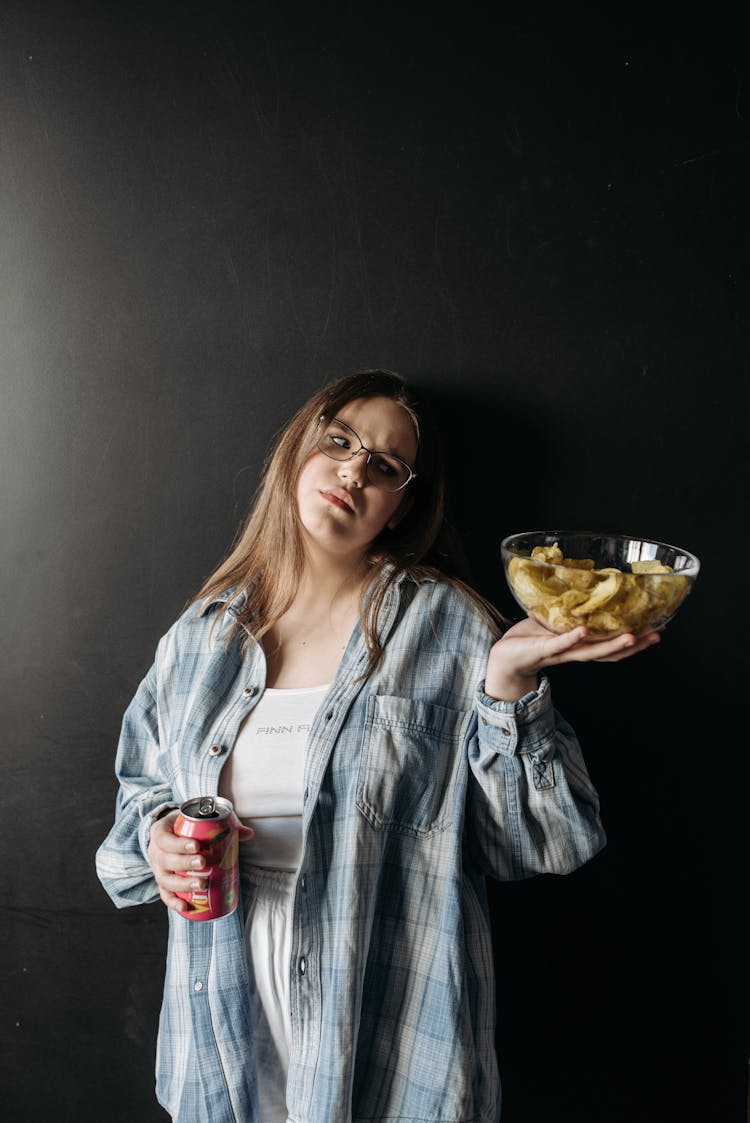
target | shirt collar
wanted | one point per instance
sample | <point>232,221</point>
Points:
<point>234,601</point>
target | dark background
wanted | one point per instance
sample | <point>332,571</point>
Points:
<point>537,211</point>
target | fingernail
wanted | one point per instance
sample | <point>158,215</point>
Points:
<point>195,884</point>
<point>196,863</point>
<point>191,847</point>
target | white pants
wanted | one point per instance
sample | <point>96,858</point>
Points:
<point>268,942</point>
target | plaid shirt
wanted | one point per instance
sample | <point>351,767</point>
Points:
<point>417,786</point>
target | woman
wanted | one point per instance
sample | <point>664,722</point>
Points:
<point>414,751</point>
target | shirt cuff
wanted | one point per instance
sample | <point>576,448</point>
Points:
<point>510,728</point>
<point>146,823</point>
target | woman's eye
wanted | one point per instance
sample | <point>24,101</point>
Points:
<point>385,467</point>
<point>337,440</point>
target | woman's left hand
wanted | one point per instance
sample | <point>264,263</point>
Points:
<point>527,648</point>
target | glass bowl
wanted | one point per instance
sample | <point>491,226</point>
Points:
<point>612,583</point>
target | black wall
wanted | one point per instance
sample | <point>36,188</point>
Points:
<point>540,213</point>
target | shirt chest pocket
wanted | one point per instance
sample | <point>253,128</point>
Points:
<point>411,765</point>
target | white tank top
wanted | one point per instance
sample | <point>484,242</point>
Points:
<point>264,776</point>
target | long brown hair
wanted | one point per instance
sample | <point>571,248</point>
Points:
<point>267,558</point>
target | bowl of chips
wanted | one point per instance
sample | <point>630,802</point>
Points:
<point>611,583</point>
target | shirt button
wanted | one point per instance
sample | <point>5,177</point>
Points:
<point>216,750</point>
<point>249,691</point>
<point>302,966</point>
<point>329,715</point>
<point>505,731</point>
<point>198,985</point>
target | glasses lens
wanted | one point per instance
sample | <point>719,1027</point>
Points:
<point>337,440</point>
<point>387,472</point>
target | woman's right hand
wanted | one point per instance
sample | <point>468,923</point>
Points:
<point>170,853</point>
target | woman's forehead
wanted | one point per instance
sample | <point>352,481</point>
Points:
<point>381,424</point>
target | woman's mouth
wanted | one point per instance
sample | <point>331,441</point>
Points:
<point>337,500</point>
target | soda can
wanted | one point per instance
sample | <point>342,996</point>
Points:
<point>211,821</point>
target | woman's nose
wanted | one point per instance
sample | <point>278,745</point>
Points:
<point>355,469</point>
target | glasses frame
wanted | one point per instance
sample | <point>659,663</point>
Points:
<point>370,453</point>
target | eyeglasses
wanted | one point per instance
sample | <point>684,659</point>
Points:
<point>383,469</point>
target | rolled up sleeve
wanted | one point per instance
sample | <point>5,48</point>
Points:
<point>121,860</point>
<point>532,807</point>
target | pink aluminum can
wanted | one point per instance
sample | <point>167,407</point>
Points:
<point>211,821</point>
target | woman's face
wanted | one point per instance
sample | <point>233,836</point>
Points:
<point>340,511</point>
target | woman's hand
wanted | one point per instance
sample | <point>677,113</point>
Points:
<point>168,853</point>
<point>526,648</point>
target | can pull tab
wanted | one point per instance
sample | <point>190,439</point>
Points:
<point>207,806</point>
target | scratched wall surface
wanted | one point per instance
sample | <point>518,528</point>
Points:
<point>540,215</point>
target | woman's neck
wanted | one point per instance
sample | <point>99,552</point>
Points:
<point>330,577</point>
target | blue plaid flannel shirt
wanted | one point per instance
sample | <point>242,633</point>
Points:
<point>417,786</point>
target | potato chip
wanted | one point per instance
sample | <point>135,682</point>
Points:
<point>633,605</point>
<point>665,593</point>
<point>553,555</point>
<point>649,565</point>
<point>559,619</point>
<point>528,580</point>
<point>573,597</point>
<point>577,578</point>
<point>601,593</point>
<point>603,623</point>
